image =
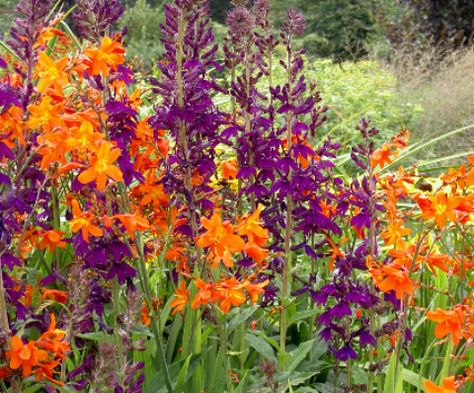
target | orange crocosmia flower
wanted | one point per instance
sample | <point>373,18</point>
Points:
<point>132,223</point>
<point>204,295</point>
<point>336,252</point>
<point>441,207</point>
<point>54,294</point>
<point>181,298</point>
<point>51,73</point>
<point>381,157</point>
<point>83,137</point>
<point>46,370</point>
<point>230,293</point>
<point>448,322</point>
<point>108,56</point>
<point>45,114</point>
<point>394,233</point>
<point>47,35</point>
<point>257,253</point>
<point>221,240</point>
<point>229,169</point>
<point>255,290</point>
<point>53,148</point>
<point>196,179</point>
<point>441,261</point>
<point>400,141</point>
<point>53,340</point>
<point>448,386</point>
<point>82,222</point>
<point>328,210</point>
<point>25,356</point>
<point>102,166</point>
<point>251,227</point>
<point>392,277</point>
<point>51,240</point>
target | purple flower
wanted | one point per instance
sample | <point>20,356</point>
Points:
<point>295,24</point>
<point>240,24</point>
<point>94,18</point>
<point>346,353</point>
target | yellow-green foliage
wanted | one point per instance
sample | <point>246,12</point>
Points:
<point>362,89</point>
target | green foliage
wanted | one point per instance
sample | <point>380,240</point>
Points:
<point>143,38</point>
<point>7,8</point>
<point>352,90</point>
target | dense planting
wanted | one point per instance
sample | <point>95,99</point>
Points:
<point>205,230</point>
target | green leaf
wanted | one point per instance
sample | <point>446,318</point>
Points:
<point>298,355</point>
<point>301,315</point>
<point>412,378</point>
<point>242,384</point>
<point>183,373</point>
<point>261,346</point>
<point>241,317</point>
<point>393,384</point>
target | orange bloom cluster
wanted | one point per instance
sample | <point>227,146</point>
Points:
<point>222,240</point>
<point>226,293</point>
<point>457,322</point>
<point>448,386</point>
<point>382,156</point>
<point>40,357</point>
<point>393,276</point>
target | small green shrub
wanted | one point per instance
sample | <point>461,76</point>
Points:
<point>143,38</point>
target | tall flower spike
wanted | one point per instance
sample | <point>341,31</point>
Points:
<point>187,110</point>
<point>94,18</point>
<point>241,24</point>
<point>295,24</point>
<point>24,34</point>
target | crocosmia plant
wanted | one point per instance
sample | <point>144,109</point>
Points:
<point>195,231</point>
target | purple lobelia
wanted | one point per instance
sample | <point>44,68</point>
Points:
<point>95,18</point>
<point>24,34</point>
<point>187,110</point>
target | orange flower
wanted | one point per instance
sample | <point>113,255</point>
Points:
<point>440,207</point>
<point>438,260</point>
<point>51,73</point>
<point>394,276</point>
<point>255,290</point>
<point>83,137</point>
<point>108,56</point>
<point>82,221</point>
<point>257,253</point>
<point>181,298</point>
<point>25,356</point>
<point>251,227</point>
<point>145,312</point>
<point>229,293</point>
<point>394,233</point>
<point>229,169</point>
<point>53,340</point>
<point>204,295</point>
<point>102,167</point>
<point>221,240</point>
<point>381,157</point>
<point>448,322</point>
<point>54,294</point>
<point>448,386</point>
<point>132,223</point>
<point>45,114</point>
<point>51,240</point>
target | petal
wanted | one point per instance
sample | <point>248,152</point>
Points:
<point>87,176</point>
